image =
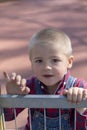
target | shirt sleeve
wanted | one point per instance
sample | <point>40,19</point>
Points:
<point>77,119</point>
<point>9,113</point>
<point>81,121</point>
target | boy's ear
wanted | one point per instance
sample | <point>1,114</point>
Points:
<point>70,61</point>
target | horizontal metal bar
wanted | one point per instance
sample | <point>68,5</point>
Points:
<point>37,101</point>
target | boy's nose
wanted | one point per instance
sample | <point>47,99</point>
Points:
<point>47,66</point>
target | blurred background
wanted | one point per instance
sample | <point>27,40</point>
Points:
<point>19,19</point>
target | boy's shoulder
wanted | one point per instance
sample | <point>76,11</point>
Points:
<point>75,81</point>
<point>81,83</point>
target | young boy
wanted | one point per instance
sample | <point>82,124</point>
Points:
<point>50,53</point>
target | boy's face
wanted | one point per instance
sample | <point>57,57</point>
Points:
<point>49,63</point>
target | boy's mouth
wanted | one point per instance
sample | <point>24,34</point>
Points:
<point>47,76</point>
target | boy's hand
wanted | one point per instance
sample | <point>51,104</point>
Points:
<point>16,84</point>
<point>75,94</point>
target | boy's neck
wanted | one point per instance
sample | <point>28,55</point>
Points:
<point>51,89</point>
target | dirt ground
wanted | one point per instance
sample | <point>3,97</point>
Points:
<point>19,19</point>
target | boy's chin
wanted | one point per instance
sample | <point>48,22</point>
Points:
<point>51,85</point>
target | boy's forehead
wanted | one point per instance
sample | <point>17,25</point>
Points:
<point>46,51</point>
<point>47,42</point>
<point>50,48</point>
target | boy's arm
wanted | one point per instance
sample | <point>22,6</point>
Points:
<point>9,113</point>
<point>81,120</point>
<point>15,84</point>
<point>76,95</point>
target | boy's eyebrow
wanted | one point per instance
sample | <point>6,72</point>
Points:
<point>37,57</point>
<point>55,57</point>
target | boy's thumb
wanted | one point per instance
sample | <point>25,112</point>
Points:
<point>65,92</point>
<point>26,91</point>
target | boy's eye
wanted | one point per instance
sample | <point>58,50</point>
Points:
<point>55,60</point>
<point>38,61</point>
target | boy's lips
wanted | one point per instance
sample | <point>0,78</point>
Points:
<point>47,75</point>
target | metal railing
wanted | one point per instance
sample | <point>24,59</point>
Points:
<point>35,101</point>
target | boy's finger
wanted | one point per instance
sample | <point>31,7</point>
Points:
<point>13,76</point>
<point>26,91</point>
<point>18,79</point>
<point>85,94</point>
<point>23,82</point>
<point>6,76</point>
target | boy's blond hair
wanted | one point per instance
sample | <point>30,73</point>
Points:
<point>50,35</point>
